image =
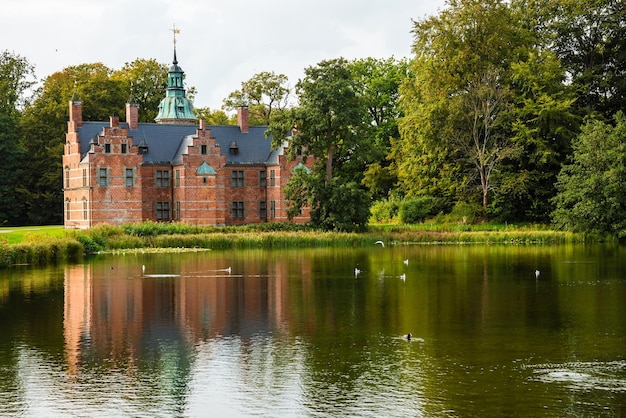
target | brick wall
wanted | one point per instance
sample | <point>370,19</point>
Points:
<point>111,184</point>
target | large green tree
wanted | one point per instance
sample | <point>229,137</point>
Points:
<point>43,126</point>
<point>16,78</point>
<point>145,81</point>
<point>327,125</point>
<point>377,83</point>
<point>12,170</point>
<point>458,104</point>
<point>542,126</point>
<point>592,196</point>
<point>480,124</point>
<point>264,93</point>
<point>589,37</point>
<point>328,121</point>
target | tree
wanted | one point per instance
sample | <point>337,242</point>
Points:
<point>12,193</point>
<point>542,126</point>
<point>327,124</point>
<point>329,117</point>
<point>43,127</point>
<point>589,37</point>
<point>16,78</point>
<point>377,83</point>
<point>456,107</point>
<point>145,81</point>
<point>478,136</point>
<point>215,117</point>
<point>263,94</point>
<point>591,195</point>
<point>335,205</point>
<point>488,117</point>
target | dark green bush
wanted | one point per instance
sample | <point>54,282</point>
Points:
<point>418,209</point>
<point>90,246</point>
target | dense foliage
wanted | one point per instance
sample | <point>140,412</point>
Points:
<point>592,196</point>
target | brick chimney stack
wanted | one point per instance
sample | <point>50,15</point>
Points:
<point>76,115</point>
<point>114,121</point>
<point>243,119</point>
<point>132,115</point>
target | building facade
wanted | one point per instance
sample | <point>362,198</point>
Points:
<point>176,169</point>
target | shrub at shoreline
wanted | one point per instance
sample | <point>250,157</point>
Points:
<point>74,245</point>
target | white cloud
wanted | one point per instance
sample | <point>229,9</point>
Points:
<point>221,43</point>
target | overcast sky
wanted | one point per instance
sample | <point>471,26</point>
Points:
<point>221,42</point>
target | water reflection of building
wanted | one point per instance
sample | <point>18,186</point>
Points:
<point>76,311</point>
<point>112,312</point>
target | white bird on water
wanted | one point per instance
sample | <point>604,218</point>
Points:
<point>143,269</point>
<point>380,242</point>
<point>403,277</point>
<point>537,273</point>
<point>406,261</point>
<point>356,271</point>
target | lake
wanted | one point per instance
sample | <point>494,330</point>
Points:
<point>319,333</point>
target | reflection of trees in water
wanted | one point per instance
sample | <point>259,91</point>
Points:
<point>299,325</point>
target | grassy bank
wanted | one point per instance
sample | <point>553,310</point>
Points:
<point>44,245</point>
<point>16,235</point>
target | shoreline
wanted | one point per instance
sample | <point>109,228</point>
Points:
<point>75,246</point>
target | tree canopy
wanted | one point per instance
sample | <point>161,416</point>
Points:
<point>16,79</point>
<point>263,94</point>
<point>591,195</point>
<point>327,124</point>
<point>479,122</point>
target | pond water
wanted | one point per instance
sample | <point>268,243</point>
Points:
<point>302,333</point>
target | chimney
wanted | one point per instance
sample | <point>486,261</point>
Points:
<point>202,124</point>
<point>76,115</point>
<point>132,115</point>
<point>243,119</point>
<point>115,121</point>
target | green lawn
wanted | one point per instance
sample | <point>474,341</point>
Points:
<point>15,235</point>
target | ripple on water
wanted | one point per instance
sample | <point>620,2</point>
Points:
<point>597,375</point>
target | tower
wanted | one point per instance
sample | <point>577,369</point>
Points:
<point>175,108</point>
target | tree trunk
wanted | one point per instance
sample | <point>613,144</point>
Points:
<point>329,163</point>
<point>485,189</point>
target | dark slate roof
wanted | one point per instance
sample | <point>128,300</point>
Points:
<point>166,143</point>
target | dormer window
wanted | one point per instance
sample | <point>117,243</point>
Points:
<point>233,148</point>
<point>143,147</point>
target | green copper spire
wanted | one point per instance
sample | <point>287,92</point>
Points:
<point>175,108</point>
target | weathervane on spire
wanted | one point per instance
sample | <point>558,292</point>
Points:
<point>175,31</point>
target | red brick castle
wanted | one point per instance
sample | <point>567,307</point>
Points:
<point>177,169</point>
